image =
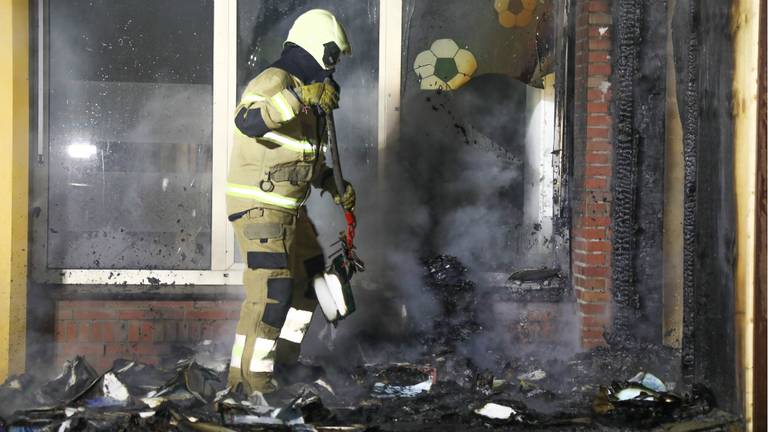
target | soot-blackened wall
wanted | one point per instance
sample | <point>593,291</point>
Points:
<point>703,56</point>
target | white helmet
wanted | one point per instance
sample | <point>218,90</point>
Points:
<point>318,32</point>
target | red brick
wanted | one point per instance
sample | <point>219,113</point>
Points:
<point>134,314</point>
<point>592,332</point>
<point>599,82</point>
<point>590,283</point>
<point>85,348</point>
<point>592,259</point>
<point>63,313</point>
<point>594,221</point>
<point>599,45</point>
<point>95,332</point>
<point>209,314</point>
<point>594,32</point>
<point>93,314</point>
<point>599,6</point>
<point>600,18</point>
<point>134,334</point>
<point>593,296</point>
<point>167,313</point>
<point>592,308</point>
<point>592,343</point>
<point>115,350</point>
<point>61,333</point>
<point>599,119</point>
<point>598,132</point>
<point>590,208</point>
<point>71,331</point>
<point>171,331</point>
<point>193,331</point>
<point>594,321</point>
<point>84,331</point>
<point>602,146</point>
<point>595,95</point>
<point>144,348</point>
<point>591,233</point>
<point>107,331</point>
<point>598,158</point>
<point>597,107</point>
<point>599,196</point>
<point>173,304</point>
<point>599,69</point>
<point>596,183</point>
<point>147,332</point>
<point>592,271</point>
<point>598,171</point>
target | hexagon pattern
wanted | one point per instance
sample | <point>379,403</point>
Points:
<point>444,66</point>
<point>509,19</point>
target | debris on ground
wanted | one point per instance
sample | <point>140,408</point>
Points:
<point>444,389</point>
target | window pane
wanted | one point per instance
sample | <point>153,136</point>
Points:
<point>262,29</point>
<point>478,114</point>
<point>130,134</point>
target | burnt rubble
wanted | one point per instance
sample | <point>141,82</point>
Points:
<point>623,387</point>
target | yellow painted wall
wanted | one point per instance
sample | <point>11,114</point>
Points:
<point>745,26</point>
<point>14,180</point>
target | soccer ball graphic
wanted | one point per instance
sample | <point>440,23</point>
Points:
<point>521,19</point>
<point>444,66</point>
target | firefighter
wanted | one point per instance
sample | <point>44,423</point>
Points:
<point>277,155</point>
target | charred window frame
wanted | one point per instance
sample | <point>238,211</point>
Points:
<point>565,52</point>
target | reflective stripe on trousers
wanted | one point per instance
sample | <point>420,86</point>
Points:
<point>263,358</point>
<point>255,193</point>
<point>296,325</point>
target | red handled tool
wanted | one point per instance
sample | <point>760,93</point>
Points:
<point>349,215</point>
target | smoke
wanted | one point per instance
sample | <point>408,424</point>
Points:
<point>459,180</point>
<point>456,182</point>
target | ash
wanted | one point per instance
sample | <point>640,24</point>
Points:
<point>627,386</point>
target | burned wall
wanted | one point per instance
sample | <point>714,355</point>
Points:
<point>639,110</point>
<point>704,61</point>
<point>703,66</point>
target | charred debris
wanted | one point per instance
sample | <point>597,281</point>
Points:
<point>609,388</point>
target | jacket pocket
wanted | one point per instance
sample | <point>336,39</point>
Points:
<point>294,172</point>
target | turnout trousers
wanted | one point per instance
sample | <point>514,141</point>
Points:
<point>282,255</point>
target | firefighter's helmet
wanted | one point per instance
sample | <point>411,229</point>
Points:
<point>321,35</point>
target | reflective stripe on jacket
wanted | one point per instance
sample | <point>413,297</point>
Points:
<point>277,169</point>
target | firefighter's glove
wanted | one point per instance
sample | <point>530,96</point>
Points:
<point>323,95</point>
<point>347,199</point>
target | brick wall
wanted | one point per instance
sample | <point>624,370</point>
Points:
<point>103,331</point>
<point>593,156</point>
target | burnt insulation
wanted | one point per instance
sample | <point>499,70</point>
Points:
<point>628,16</point>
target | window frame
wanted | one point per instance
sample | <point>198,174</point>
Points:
<point>223,269</point>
